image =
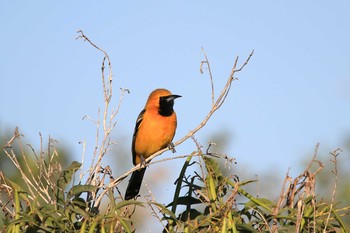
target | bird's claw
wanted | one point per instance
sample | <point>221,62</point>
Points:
<point>171,147</point>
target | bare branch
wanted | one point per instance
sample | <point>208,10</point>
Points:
<point>206,61</point>
<point>335,154</point>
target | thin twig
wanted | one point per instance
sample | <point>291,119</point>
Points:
<point>153,200</point>
<point>108,123</point>
<point>335,154</point>
<point>206,61</point>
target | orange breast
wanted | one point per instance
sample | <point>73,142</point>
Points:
<point>155,133</point>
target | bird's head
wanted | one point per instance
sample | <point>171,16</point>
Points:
<point>163,100</point>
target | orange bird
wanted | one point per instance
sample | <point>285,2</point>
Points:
<point>155,129</point>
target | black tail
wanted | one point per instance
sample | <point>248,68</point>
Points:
<point>134,184</point>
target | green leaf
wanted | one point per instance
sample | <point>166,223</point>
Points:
<point>192,213</point>
<point>76,190</point>
<point>64,179</point>
<point>259,202</point>
<point>79,208</point>
<point>246,182</point>
<point>164,210</point>
<point>179,183</point>
<point>186,200</point>
<point>213,167</point>
<point>128,202</point>
<point>245,228</point>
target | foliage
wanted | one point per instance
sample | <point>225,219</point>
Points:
<point>50,201</point>
<point>297,209</point>
<point>47,200</point>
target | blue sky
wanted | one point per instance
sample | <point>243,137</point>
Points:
<point>293,93</point>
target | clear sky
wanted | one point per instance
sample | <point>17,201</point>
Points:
<point>293,93</point>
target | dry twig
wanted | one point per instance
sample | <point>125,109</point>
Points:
<point>334,154</point>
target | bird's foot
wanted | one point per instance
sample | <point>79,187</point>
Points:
<point>171,147</point>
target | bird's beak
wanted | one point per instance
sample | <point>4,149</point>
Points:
<point>172,97</point>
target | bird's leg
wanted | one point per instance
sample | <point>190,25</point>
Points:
<point>171,147</point>
<point>143,162</point>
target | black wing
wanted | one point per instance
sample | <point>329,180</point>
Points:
<point>138,122</point>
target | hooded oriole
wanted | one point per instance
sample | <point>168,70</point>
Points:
<point>155,129</point>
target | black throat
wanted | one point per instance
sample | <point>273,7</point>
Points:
<point>166,106</point>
